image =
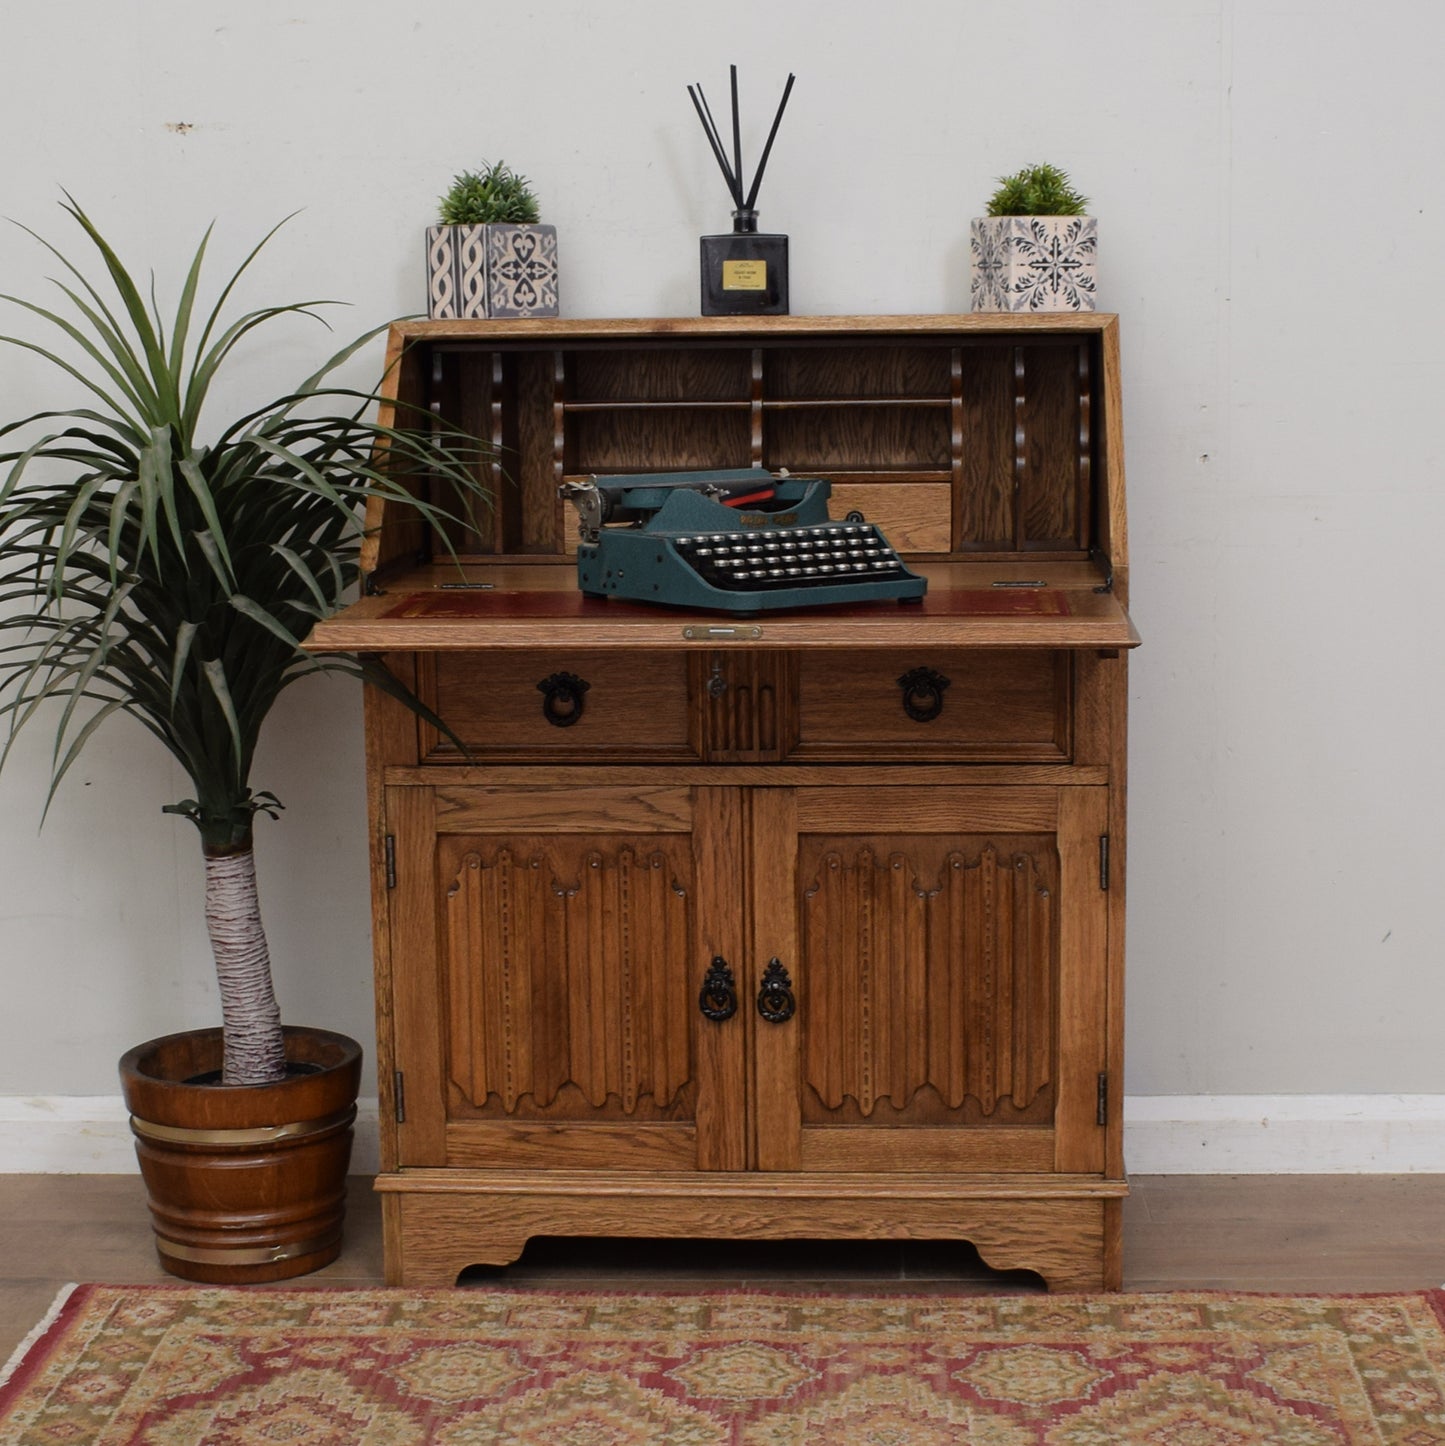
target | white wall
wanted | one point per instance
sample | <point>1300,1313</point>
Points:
<point>1267,178</point>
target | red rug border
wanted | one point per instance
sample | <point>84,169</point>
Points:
<point>33,1356</point>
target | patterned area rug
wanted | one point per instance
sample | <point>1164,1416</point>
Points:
<point>175,1366</point>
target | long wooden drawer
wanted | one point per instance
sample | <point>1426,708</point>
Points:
<point>572,706</point>
<point>943,705</point>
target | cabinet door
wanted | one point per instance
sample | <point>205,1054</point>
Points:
<point>549,948</point>
<point>945,951</point>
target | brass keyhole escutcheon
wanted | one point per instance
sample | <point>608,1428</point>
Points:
<point>563,698</point>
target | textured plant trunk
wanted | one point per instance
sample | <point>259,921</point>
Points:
<point>254,1047</point>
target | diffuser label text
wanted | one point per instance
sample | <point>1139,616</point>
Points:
<point>745,275</point>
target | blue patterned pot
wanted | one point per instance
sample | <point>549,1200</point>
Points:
<point>491,271</point>
<point>1033,263</point>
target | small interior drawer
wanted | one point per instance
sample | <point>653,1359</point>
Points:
<point>946,705</point>
<point>556,707</point>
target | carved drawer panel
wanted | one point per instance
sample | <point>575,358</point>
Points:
<point>557,707</point>
<point>946,705</point>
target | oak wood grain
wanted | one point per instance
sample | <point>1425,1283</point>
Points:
<point>470,1219</point>
<point>558,810</point>
<point>1006,704</point>
<point>496,706</point>
<point>418,1027</point>
<point>934,890</point>
<point>539,607</point>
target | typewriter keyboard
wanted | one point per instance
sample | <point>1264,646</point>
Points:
<point>791,557</point>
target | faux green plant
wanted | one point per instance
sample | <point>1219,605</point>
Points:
<point>148,570</point>
<point>495,193</point>
<point>1037,191</point>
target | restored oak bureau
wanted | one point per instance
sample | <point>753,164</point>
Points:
<point>808,924</point>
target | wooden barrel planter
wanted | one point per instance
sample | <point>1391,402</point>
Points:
<point>246,1183</point>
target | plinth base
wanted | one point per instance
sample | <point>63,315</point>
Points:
<point>1065,1228</point>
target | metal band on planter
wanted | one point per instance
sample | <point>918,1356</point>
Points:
<point>262,1135</point>
<point>245,1254</point>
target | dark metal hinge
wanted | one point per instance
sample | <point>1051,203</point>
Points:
<point>1104,862</point>
<point>390,846</point>
<point>1101,1112</point>
<point>398,1090</point>
<point>1102,559</point>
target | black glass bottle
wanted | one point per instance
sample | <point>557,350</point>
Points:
<point>745,273</point>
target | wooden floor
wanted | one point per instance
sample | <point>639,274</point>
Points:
<point>1245,1232</point>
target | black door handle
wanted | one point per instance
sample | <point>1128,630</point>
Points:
<point>775,999</point>
<point>563,698</point>
<point>923,694</point>
<point>718,998</point>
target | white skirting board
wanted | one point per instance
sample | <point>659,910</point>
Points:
<point>1163,1135</point>
<point>90,1135</point>
<point>1284,1134</point>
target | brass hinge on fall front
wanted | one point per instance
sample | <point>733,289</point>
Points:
<point>390,847</point>
<point>398,1092</point>
<point>1101,1111</point>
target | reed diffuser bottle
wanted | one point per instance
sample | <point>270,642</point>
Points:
<point>744,272</point>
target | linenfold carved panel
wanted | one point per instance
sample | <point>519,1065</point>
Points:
<point>927,968</point>
<point>565,960</point>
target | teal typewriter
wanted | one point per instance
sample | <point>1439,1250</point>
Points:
<point>741,540</point>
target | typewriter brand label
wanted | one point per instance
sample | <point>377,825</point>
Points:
<point>745,275</point>
<point>767,519</point>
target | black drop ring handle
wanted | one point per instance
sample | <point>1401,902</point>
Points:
<point>718,998</point>
<point>775,999</point>
<point>923,694</point>
<point>563,698</point>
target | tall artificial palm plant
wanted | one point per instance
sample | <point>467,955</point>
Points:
<point>148,570</point>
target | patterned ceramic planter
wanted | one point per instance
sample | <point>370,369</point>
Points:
<point>496,270</point>
<point>1033,263</point>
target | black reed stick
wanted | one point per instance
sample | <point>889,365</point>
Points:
<point>734,182</point>
<point>733,174</point>
<point>767,149</point>
<point>737,140</point>
<point>705,116</point>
